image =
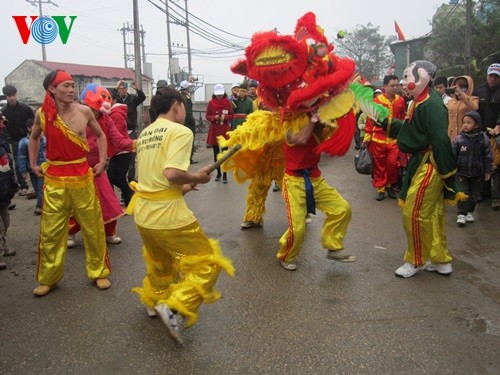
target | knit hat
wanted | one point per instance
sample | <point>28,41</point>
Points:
<point>475,116</point>
<point>161,83</point>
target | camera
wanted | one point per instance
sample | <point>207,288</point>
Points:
<point>449,91</point>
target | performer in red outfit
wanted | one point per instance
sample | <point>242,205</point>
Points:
<point>304,189</point>
<point>99,100</point>
<point>68,183</point>
<point>384,149</point>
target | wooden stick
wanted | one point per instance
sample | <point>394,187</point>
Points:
<point>224,158</point>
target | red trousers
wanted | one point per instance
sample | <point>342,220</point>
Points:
<point>385,164</point>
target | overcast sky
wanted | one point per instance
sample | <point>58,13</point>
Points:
<point>95,38</point>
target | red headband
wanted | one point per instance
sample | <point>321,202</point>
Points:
<point>60,77</point>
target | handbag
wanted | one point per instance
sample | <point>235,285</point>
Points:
<point>363,162</point>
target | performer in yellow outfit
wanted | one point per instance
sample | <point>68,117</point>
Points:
<point>182,264</point>
<point>68,183</point>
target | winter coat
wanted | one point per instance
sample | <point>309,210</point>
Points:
<point>489,105</point>
<point>473,152</point>
<point>457,108</point>
<point>495,150</point>
<point>8,183</point>
<point>218,107</point>
<point>119,116</point>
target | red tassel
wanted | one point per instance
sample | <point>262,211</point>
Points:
<point>340,142</point>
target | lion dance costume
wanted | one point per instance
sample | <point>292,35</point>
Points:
<point>299,78</point>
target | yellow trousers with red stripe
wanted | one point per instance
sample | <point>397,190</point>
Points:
<point>424,218</point>
<point>328,200</point>
<point>182,267</point>
<point>59,202</point>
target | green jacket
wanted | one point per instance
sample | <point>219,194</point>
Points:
<point>426,129</point>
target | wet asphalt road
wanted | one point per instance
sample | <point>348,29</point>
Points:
<point>324,318</point>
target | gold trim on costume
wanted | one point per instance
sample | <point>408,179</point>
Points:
<point>164,195</point>
<point>70,182</point>
<point>67,132</point>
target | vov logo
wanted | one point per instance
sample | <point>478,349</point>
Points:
<point>44,29</point>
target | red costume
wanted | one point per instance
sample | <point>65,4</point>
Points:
<point>384,149</point>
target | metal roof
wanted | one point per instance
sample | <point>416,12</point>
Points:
<point>91,70</point>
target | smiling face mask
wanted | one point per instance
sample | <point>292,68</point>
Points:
<point>96,97</point>
<point>417,76</point>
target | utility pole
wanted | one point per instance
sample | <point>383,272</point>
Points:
<point>40,2</point>
<point>143,47</point>
<point>137,53</point>
<point>468,34</point>
<point>125,30</point>
<point>188,41</point>
<point>169,43</point>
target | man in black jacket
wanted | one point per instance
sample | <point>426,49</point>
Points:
<point>17,114</point>
<point>489,110</point>
<point>189,122</point>
<point>489,99</point>
<point>132,101</point>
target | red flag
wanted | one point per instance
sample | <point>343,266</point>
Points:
<point>401,36</point>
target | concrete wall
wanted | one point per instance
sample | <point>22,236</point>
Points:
<point>28,78</point>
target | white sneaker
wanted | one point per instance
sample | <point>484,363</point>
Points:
<point>71,241</point>
<point>113,240</point>
<point>408,270</point>
<point>461,220</point>
<point>441,268</point>
<point>288,266</point>
<point>250,224</point>
<point>151,312</point>
<point>170,321</point>
<point>469,218</point>
<point>308,219</point>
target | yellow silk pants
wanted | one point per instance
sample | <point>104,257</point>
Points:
<point>424,218</point>
<point>328,200</point>
<point>182,267</point>
<point>59,202</point>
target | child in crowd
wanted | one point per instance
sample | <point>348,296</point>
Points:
<point>474,163</point>
<point>495,175</point>
<point>24,165</point>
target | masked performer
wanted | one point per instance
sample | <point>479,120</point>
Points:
<point>430,178</point>
<point>182,264</point>
<point>69,183</point>
<point>98,99</point>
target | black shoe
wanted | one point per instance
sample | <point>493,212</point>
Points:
<point>392,193</point>
<point>224,178</point>
<point>380,196</point>
<point>12,206</point>
<point>194,161</point>
<point>218,177</point>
